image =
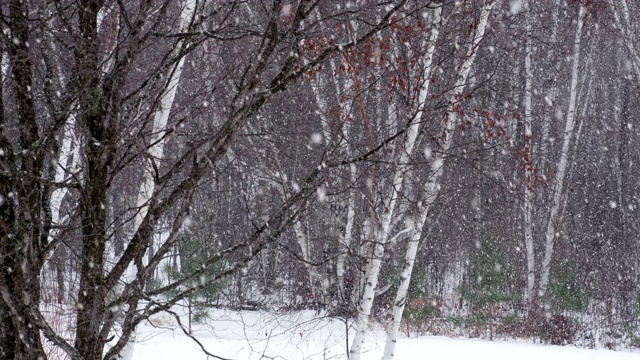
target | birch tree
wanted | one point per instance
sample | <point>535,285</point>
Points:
<point>529,175</point>
<point>384,236</point>
<point>156,144</point>
<point>115,103</point>
<point>431,188</point>
<point>551,97</point>
<point>558,187</point>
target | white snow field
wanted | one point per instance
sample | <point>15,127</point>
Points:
<point>302,335</point>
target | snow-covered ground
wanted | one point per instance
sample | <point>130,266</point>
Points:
<point>302,335</point>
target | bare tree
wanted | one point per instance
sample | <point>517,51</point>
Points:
<point>116,92</point>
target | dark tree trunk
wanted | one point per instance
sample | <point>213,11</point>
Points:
<point>21,230</point>
<point>8,331</point>
<point>93,201</point>
<point>91,292</point>
<point>61,269</point>
<point>19,335</point>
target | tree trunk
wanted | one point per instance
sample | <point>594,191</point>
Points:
<point>562,165</point>
<point>91,292</point>
<point>319,291</point>
<point>156,151</point>
<point>384,236</point>
<point>346,238</point>
<point>20,214</point>
<point>93,198</point>
<point>432,188</point>
<point>530,180</point>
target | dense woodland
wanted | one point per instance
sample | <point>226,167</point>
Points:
<point>460,167</point>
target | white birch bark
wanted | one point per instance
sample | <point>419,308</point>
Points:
<point>562,165</point>
<point>371,281</point>
<point>529,180</point>
<point>156,149</point>
<point>316,282</point>
<point>346,238</point>
<point>431,189</point>
<point>4,64</point>
<point>63,165</point>
<point>588,89</point>
<point>68,156</point>
<point>159,127</point>
<point>66,163</point>
<point>323,105</point>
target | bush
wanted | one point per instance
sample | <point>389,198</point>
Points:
<point>566,290</point>
<point>488,287</point>
<point>510,319</point>
<point>419,313</point>
<point>422,313</point>
<point>456,321</point>
<point>478,318</point>
<point>489,273</point>
<point>558,330</point>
